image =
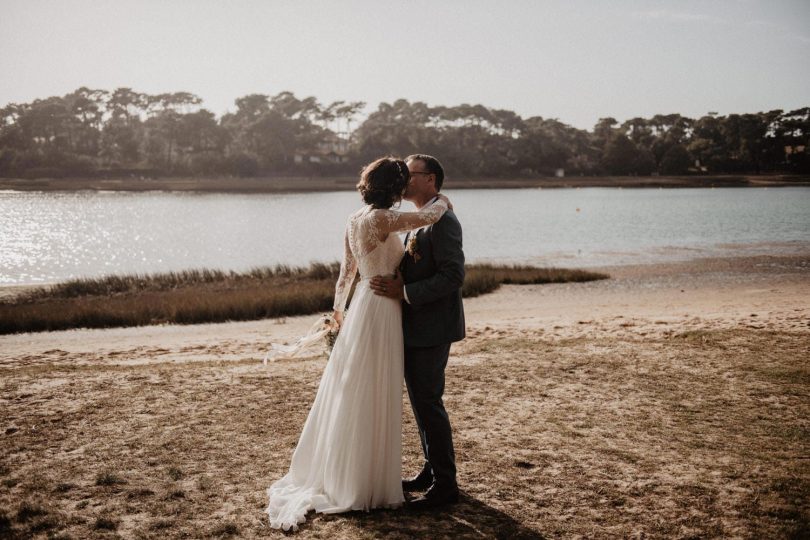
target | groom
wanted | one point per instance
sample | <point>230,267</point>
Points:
<point>429,283</point>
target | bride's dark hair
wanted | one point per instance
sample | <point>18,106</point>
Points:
<point>383,182</point>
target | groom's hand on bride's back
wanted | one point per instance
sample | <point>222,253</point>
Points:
<point>388,286</point>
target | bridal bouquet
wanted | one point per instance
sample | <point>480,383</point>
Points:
<point>331,336</point>
<point>322,334</point>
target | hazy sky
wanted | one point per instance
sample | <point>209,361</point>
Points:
<point>575,60</point>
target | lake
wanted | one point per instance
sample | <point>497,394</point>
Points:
<point>51,236</point>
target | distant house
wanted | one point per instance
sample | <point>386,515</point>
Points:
<point>333,149</point>
<point>797,149</point>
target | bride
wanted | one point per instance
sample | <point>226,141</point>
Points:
<point>349,454</point>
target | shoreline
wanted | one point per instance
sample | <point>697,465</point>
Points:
<point>637,268</point>
<point>347,183</point>
<point>625,277</point>
<point>640,301</point>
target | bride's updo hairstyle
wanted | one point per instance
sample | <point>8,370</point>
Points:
<point>383,182</point>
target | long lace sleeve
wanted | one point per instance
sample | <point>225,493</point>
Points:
<point>348,269</point>
<point>391,221</point>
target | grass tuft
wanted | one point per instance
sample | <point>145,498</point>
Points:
<point>108,478</point>
<point>64,487</point>
<point>105,523</point>
<point>160,524</point>
<point>204,483</point>
<point>43,524</point>
<point>225,529</point>
<point>175,473</point>
<point>28,510</point>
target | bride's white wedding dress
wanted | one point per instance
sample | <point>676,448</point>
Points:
<point>349,454</point>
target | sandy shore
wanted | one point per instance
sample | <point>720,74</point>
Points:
<point>669,401</point>
<point>347,183</point>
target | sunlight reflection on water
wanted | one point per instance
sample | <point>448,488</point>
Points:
<point>46,237</point>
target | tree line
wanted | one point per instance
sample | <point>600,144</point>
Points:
<point>126,133</point>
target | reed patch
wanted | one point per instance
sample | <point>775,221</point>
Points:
<point>205,296</point>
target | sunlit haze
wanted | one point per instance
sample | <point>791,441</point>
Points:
<point>572,60</point>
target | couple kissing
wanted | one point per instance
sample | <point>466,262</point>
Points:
<point>405,313</point>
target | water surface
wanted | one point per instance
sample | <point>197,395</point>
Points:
<point>47,237</point>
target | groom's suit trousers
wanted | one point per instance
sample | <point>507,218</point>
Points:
<point>424,378</point>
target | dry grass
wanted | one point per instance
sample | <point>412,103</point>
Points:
<point>484,278</point>
<point>202,296</point>
<point>696,435</point>
<point>136,283</point>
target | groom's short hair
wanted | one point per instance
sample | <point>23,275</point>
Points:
<point>432,165</point>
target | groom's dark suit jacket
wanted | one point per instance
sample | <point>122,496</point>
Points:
<point>435,314</point>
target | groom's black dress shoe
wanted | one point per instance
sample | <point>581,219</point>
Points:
<point>420,482</point>
<point>435,497</point>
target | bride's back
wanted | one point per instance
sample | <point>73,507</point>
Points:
<point>374,255</point>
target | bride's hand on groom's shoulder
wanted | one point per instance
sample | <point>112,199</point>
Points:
<point>446,200</point>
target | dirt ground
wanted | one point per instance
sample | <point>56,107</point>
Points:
<point>671,401</point>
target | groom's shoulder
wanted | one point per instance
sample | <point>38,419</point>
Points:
<point>448,224</point>
<point>449,219</point>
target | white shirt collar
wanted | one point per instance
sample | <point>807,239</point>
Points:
<point>431,201</point>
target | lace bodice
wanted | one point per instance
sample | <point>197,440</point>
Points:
<point>371,245</point>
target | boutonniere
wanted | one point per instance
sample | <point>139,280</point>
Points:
<point>413,248</point>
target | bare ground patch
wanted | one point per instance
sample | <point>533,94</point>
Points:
<point>692,434</point>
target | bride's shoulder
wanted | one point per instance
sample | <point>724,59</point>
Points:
<point>366,214</point>
<point>372,213</point>
<point>359,212</point>
<point>382,214</point>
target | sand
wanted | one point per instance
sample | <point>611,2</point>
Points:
<point>671,401</point>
